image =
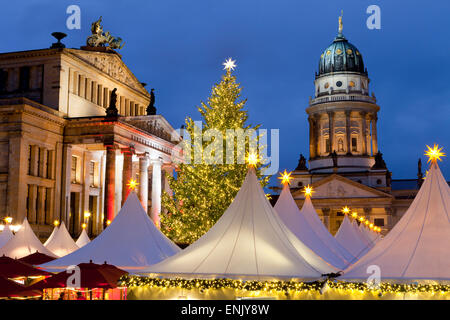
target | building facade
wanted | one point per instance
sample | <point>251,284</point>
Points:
<point>62,157</point>
<point>346,167</point>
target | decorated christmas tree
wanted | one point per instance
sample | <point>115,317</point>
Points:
<point>215,149</point>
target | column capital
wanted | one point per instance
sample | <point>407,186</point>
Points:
<point>157,161</point>
<point>363,113</point>
<point>348,112</point>
<point>143,155</point>
<point>128,150</point>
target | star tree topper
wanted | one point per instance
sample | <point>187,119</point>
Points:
<point>229,64</point>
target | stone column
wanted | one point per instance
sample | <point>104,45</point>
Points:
<point>17,168</point>
<point>317,134</point>
<point>143,180</point>
<point>374,134</point>
<point>110,186</point>
<point>364,132</point>
<point>156,191</point>
<point>367,212</point>
<point>127,172</point>
<point>326,217</point>
<point>40,207</point>
<point>348,132</point>
<point>86,185</point>
<point>312,150</point>
<point>66,183</point>
<point>32,207</point>
<point>331,130</point>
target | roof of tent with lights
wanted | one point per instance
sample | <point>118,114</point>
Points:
<point>83,239</point>
<point>24,243</point>
<point>248,241</point>
<point>5,236</point>
<point>130,241</point>
<point>350,237</point>
<point>61,243</point>
<point>416,249</point>
<point>306,225</point>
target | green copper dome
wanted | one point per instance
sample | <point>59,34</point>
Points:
<point>340,56</point>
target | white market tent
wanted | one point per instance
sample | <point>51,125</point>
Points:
<point>130,241</point>
<point>55,230</point>
<point>308,227</point>
<point>248,241</point>
<point>350,238</point>
<point>24,243</point>
<point>62,243</point>
<point>83,239</point>
<point>5,236</point>
<point>417,248</point>
<point>371,236</point>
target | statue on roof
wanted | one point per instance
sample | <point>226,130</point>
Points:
<point>301,163</point>
<point>99,39</point>
<point>151,109</point>
<point>112,110</point>
<point>379,161</point>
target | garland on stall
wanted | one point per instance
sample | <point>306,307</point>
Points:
<point>281,286</point>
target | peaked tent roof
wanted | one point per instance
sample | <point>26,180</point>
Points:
<point>306,225</point>
<point>62,243</point>
<point>24,243</point>
<point>248,241</point>
<point>130,241</point>
<point>349,237</point>
<point>417,247</point>
<point>55,230</point>
<point>370,235</point>
<point>362,233</point>
<point>5,236</point>
<point>83,239</point>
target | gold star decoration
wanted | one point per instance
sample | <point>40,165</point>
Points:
<point>434,153</point>
<point>308,190</point>
<point>132,184</point>
<point>56,223</point>
<point>285,177</point>
<point>229,64</point>
<point>346,210</point>
<point>252,159</point>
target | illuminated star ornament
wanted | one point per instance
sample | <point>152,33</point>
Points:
<point>252,159</point>
<point>308,190</point>
<point>346,210</point>
<point>434,153</point>
<point>285,177</point>
<point>132,184</point>
<point>229,64</point>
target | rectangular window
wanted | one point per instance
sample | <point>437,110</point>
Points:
<point>354,144</point>
<point>39,161</point>
<point>92,173</point>
<point>24,79</point>
<point>28,202</point>
<point>73,170</point>
<point>379,222</point>
<point>29,160</point>
<point>3,80</point>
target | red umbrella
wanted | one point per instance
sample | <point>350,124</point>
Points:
<point>36,258</point>
<point>12,268</point>
<point>113,270</point>
<point>10,288</point>
<point>91,276</point>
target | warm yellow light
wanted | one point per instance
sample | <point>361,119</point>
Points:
<point>434,153</point>
<point>346,210</point>
<point>252,159</point>
<point>8,220</point>
<point>285,177</point>
<point>354,214</point>
<point>366,222</point>
<point>87,214</point>
<point>108,222</point>
<point>132,184</point>
<point>308,190</point>
<point>84,225</point>
<point>361,219</point>
<point>56,223</point>
<point>371,226</point>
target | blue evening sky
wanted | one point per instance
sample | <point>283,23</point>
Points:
<point>178,47</point>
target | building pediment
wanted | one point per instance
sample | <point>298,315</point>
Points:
<point>155,125</point>
<point>336,186</point>
<point>112,65</point>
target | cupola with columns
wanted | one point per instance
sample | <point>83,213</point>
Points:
<point>342,116</point>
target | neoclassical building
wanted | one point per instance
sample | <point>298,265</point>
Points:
<point>63,158</point>
<point>345,165</point>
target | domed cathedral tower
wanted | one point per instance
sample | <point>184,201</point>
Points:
<point>345,166</point>
<point>342,115</point>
